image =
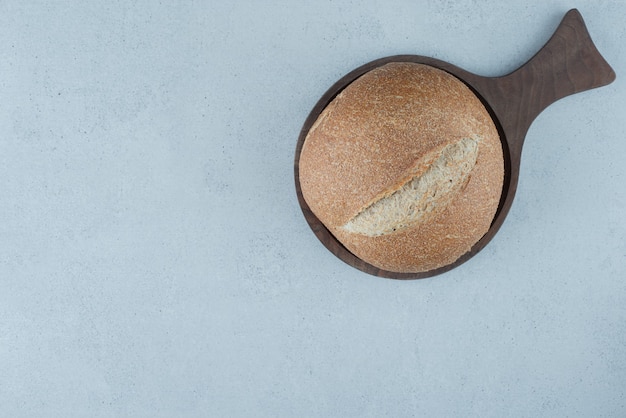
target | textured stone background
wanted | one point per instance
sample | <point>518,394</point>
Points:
<point>154,261</point>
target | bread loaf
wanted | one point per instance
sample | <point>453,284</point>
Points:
<point>404,167</point>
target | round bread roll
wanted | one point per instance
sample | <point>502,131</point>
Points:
<point>404,167</point>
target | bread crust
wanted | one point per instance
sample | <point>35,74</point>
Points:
<point>378,133</point>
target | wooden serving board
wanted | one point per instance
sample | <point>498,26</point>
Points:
<point>568,63</point>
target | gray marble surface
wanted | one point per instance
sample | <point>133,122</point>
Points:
<point>154,261</point>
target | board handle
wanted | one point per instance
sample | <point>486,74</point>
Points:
<point>568,63</point>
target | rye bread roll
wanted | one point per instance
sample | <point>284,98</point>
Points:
<point>404,167</point>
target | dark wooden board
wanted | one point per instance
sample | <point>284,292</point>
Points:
<point>568,63</point>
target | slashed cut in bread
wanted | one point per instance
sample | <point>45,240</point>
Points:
<point>404,167</point>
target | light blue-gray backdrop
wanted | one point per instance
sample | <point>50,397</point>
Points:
<point>154,261</point>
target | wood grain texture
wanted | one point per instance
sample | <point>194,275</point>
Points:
<point>568,63</point>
